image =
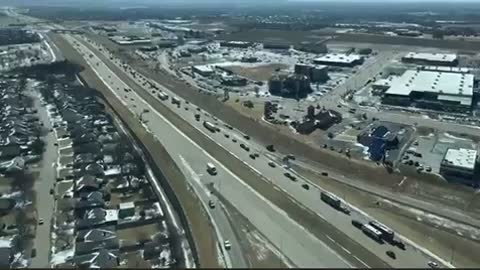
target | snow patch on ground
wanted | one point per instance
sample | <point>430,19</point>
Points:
<point>62,256</point>
<point>263,247</point>
<point>460,229</point>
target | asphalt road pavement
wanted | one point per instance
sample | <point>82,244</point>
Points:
<point>303,249</point>
<point>296,188</point>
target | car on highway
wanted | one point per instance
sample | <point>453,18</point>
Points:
<point>211,204</point>
<point>243,146</point>
<point>272,164</point>
<point>227,244</point>
<point>432,264</point>
<point>252,156</point>
<point>211,169</point>
<point>40,221</point>
<point>290,176</point>
<point>306,186</point>
<point>391,254</point>
<point>234,140</point>
<point>34,253</point>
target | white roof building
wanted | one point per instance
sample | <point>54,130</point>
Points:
<point>431,57</point>
<point>339,58</point>
<point>461,158</point>
<point>448,86</point>
<point>204,69</point>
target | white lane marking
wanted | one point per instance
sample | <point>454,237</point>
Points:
<point>270,204</point>
<point>358,259</point>
<point>346,250</point>
<point>331,239</point>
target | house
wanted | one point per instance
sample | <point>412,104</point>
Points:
<point>88,241</point>
<point>100,259</point>
<point>96,217</point>
<point>6,205</point>
<point>90,200</point>
<point>9,151</point>
<point>86,183</point>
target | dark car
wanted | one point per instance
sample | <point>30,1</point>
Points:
<point>252,156</point>
<point>391,254</point>
<point>270,148</point>
<point>305,186</point>
<point>357,224</point>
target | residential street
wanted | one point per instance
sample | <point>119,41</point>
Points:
<point>43,184</point>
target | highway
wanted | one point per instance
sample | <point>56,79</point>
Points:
<point>310,198</point>
<point>303,249</point>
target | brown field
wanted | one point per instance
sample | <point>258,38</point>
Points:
<point>260,73</point>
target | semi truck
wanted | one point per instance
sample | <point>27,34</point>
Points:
<point>387,233</point>
<point>334,202</point>
<point>162,96</point>
<point>176,101</point>
<point>210,126</point>
<point>372,232</point>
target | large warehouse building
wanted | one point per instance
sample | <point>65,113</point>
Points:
<point>436,59</point>
<point>459,165</point>
<point>432,90</point>
<point>342,60</point>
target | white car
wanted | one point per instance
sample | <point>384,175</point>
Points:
<point>227,244</point>
<point>433,264</point>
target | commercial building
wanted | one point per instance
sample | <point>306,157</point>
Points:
<point>235,44</point>
<point>342,60</point>
<point>432,90</point>
<point>314,73</point>
<point>204,70</point>
<point>436,59</point>
<point>379,140</point>
<point>293,85</point>
<point>233,80</point>
<point>459,165</point>
<point>276,46</point>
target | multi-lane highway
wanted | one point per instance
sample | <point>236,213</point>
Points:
<point>309,198</point>
<point>303,249</point>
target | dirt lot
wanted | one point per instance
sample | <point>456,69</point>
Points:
<point>277,36</point>
<point>139,233</point>
<point>260,73</point>
<point>202,231</point>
